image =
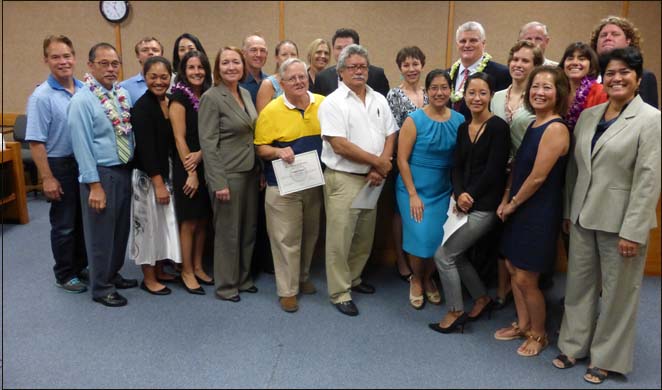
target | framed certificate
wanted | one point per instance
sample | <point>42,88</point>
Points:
<point>305,172</point>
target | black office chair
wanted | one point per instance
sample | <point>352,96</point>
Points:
<point>28,164</point>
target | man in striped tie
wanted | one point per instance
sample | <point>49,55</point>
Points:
<point>103,144</point>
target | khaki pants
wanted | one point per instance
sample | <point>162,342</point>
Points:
<point>602,328</point>
<point>349,233</point>
<point>293,227</point>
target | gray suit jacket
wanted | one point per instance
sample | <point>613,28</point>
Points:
<point>226,135</point>
<point>615,188</point>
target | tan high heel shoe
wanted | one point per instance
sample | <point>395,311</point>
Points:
<point>416,301</point>
<point>433,297</point>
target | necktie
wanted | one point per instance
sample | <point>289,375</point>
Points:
<point>121,139</point>
<point>456,105</point>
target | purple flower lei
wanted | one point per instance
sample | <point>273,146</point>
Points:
<point>578,103</point>
<point>187,91</point>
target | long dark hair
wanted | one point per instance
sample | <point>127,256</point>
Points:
<point>175,50</point>
<point>181,71</point>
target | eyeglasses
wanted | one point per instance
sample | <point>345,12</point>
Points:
<point>105,64</point>
<point>296,79</point>
<point>354,68</point>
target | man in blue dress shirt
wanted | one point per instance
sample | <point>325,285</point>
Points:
<point>145,48</point>
<point>103,143</point>
<point>255,54</point>
<point>50,144</point>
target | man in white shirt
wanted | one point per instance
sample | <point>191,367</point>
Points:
<point>358,130</point>
<point>537,33</point>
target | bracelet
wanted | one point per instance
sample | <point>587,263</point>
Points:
<point>514,201</point>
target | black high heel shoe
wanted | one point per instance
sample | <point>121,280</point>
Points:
<point>487,308</point>
<point>195,291</point>
<point>458,324</point>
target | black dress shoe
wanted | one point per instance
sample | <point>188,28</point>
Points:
<point>235,298</point>
<point>84,276</point>
<point>196,291</point>
<point>206,283</point>
<point>164,291</point>
<point>251,289</point>
<point>347,308</point>
<point>364,288</point>
<point>121,283</point>
<point>112,300</point>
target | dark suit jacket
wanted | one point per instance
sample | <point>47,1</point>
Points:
<point>501,77</point>
<point>648,88</point>
<point>327,81</point>
<point>154,137</point>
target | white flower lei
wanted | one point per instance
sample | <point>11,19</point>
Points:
<point>121,120</point>
<point>456,96</point>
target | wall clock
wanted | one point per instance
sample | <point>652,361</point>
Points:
<point>114,11</point>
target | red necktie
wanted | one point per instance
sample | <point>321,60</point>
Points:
<point>456,105</point>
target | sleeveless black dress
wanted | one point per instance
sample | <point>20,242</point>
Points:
<point>199,206</point>
<point>530,233</point>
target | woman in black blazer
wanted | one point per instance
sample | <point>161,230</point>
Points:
<point>154,233</point>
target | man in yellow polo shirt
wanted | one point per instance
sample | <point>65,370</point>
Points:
<point>288,126</point>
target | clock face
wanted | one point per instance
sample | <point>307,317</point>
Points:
<point>114,11</point>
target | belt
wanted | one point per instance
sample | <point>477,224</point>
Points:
<point>350,173</point>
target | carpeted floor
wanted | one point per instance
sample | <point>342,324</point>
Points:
<point>52,339</point>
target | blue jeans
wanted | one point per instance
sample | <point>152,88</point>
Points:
<point>67,242</point>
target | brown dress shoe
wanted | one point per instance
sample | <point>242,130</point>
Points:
<point>289,304</point>
<point>307,288</point>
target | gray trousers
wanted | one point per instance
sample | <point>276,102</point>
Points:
<point>601,327</point>
<point>453,266</point>
<point>107,232</point>
<point>235,225</point>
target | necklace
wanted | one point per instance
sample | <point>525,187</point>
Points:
<point>121,120</point>
<point>189,94</point>
<point>510,111</point>
<point>456,96</point>
<point>578,103</point>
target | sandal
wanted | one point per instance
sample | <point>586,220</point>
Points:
<point>517,333</point>
<point>416,301</point>
<point>562,361</point>
<point>595,375</point>
<point>541,340</point>
<point>433,296</point>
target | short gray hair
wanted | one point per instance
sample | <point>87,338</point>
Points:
<point>470,26</point>
<point>288,62</point>
<point>349,51</point>
<point>533,24</point>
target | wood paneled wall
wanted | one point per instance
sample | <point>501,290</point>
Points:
<point>384,27</point>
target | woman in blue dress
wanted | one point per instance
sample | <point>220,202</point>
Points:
<point>423,187</point>
<point>532,205</point>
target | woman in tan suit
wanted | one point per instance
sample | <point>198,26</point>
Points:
<point>613,184</point>
<point>226,124</point>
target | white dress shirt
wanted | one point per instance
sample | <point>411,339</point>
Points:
<point>343,114</point>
